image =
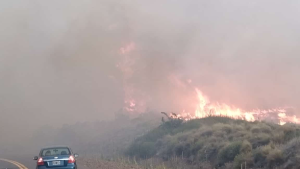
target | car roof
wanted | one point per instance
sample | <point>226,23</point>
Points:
<point>56,146</point>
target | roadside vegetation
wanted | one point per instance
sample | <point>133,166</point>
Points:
<point>221,142</point>
<point>152,142</point>
<point>100,162</point>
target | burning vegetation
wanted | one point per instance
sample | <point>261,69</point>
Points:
<point>206,133</point>
<point>194,104</point>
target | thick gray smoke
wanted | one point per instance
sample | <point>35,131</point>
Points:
<point>58,58</point>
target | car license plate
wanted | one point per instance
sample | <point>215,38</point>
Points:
<point>55,162</point>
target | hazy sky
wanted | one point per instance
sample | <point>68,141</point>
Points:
<point>58,58</point>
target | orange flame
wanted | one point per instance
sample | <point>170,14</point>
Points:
<point>205,108</point>
<point>132,102</point>
<point>134,99</point>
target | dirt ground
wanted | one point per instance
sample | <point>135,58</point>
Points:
<point>94,163</point>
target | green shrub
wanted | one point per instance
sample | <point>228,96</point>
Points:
<point>182,137</point>
<point>255,129</point>
<point>206,132</point>
<point>248,126</point>
<point>210,121</point>
<point>228,166</point>
<point>197,146</point>
<point>182,149</point>
<point>154,134</point>
<point>207,153</point>
<point>223,143</point>
<point>292,148</point>
<point>293,163</point>
<point>243,160</point>
<point>278,137</point>
<point>240,134</point>
<point>223,127</point>
<point>246,147</point>
<point>167,146</point>
<point>187,126</point>
<point>290,132</point>
<point>220,133</point>
<point>229,152</point>
<point>265,128</point>
<point>172,124</point>
<point>268,156</point>
<point>239,127</point>
<point>275,158</point>
<point>259,158</point>
<point>259,140</point>
<point>267,149</point>
<point>142,150</point>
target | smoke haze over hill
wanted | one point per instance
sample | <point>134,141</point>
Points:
<point>59,59</point>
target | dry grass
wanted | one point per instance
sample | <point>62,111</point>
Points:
<point>214,142</point>
<point>99,162</point>
<point>221,142</point>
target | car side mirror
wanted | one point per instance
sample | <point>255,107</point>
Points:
<point>76,155</point>
<point>35,158</point>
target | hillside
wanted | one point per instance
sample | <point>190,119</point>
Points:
<point>221,142</point>
<point>107,137</point>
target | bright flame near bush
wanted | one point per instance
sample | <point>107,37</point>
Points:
<point>134,100</point>
<point>205,108</point>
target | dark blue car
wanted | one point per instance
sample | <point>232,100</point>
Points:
<point>60,157</point>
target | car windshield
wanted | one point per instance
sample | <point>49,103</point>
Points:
<point>55,151</point>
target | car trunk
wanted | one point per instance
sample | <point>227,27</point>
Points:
<point>56,161</point>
